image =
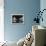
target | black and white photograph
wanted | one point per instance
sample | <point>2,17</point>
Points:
<point>17,19</point>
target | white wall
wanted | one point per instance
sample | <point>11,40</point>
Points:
<point>1,21</point>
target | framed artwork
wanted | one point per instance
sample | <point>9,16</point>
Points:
<point>18,18</point>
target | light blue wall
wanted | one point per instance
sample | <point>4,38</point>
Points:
<point>43,6</point>
<point>14,32</point>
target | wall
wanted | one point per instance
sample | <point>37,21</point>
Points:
<point>43,6</point>
<point>1,21</point>
<point>13,32</point>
